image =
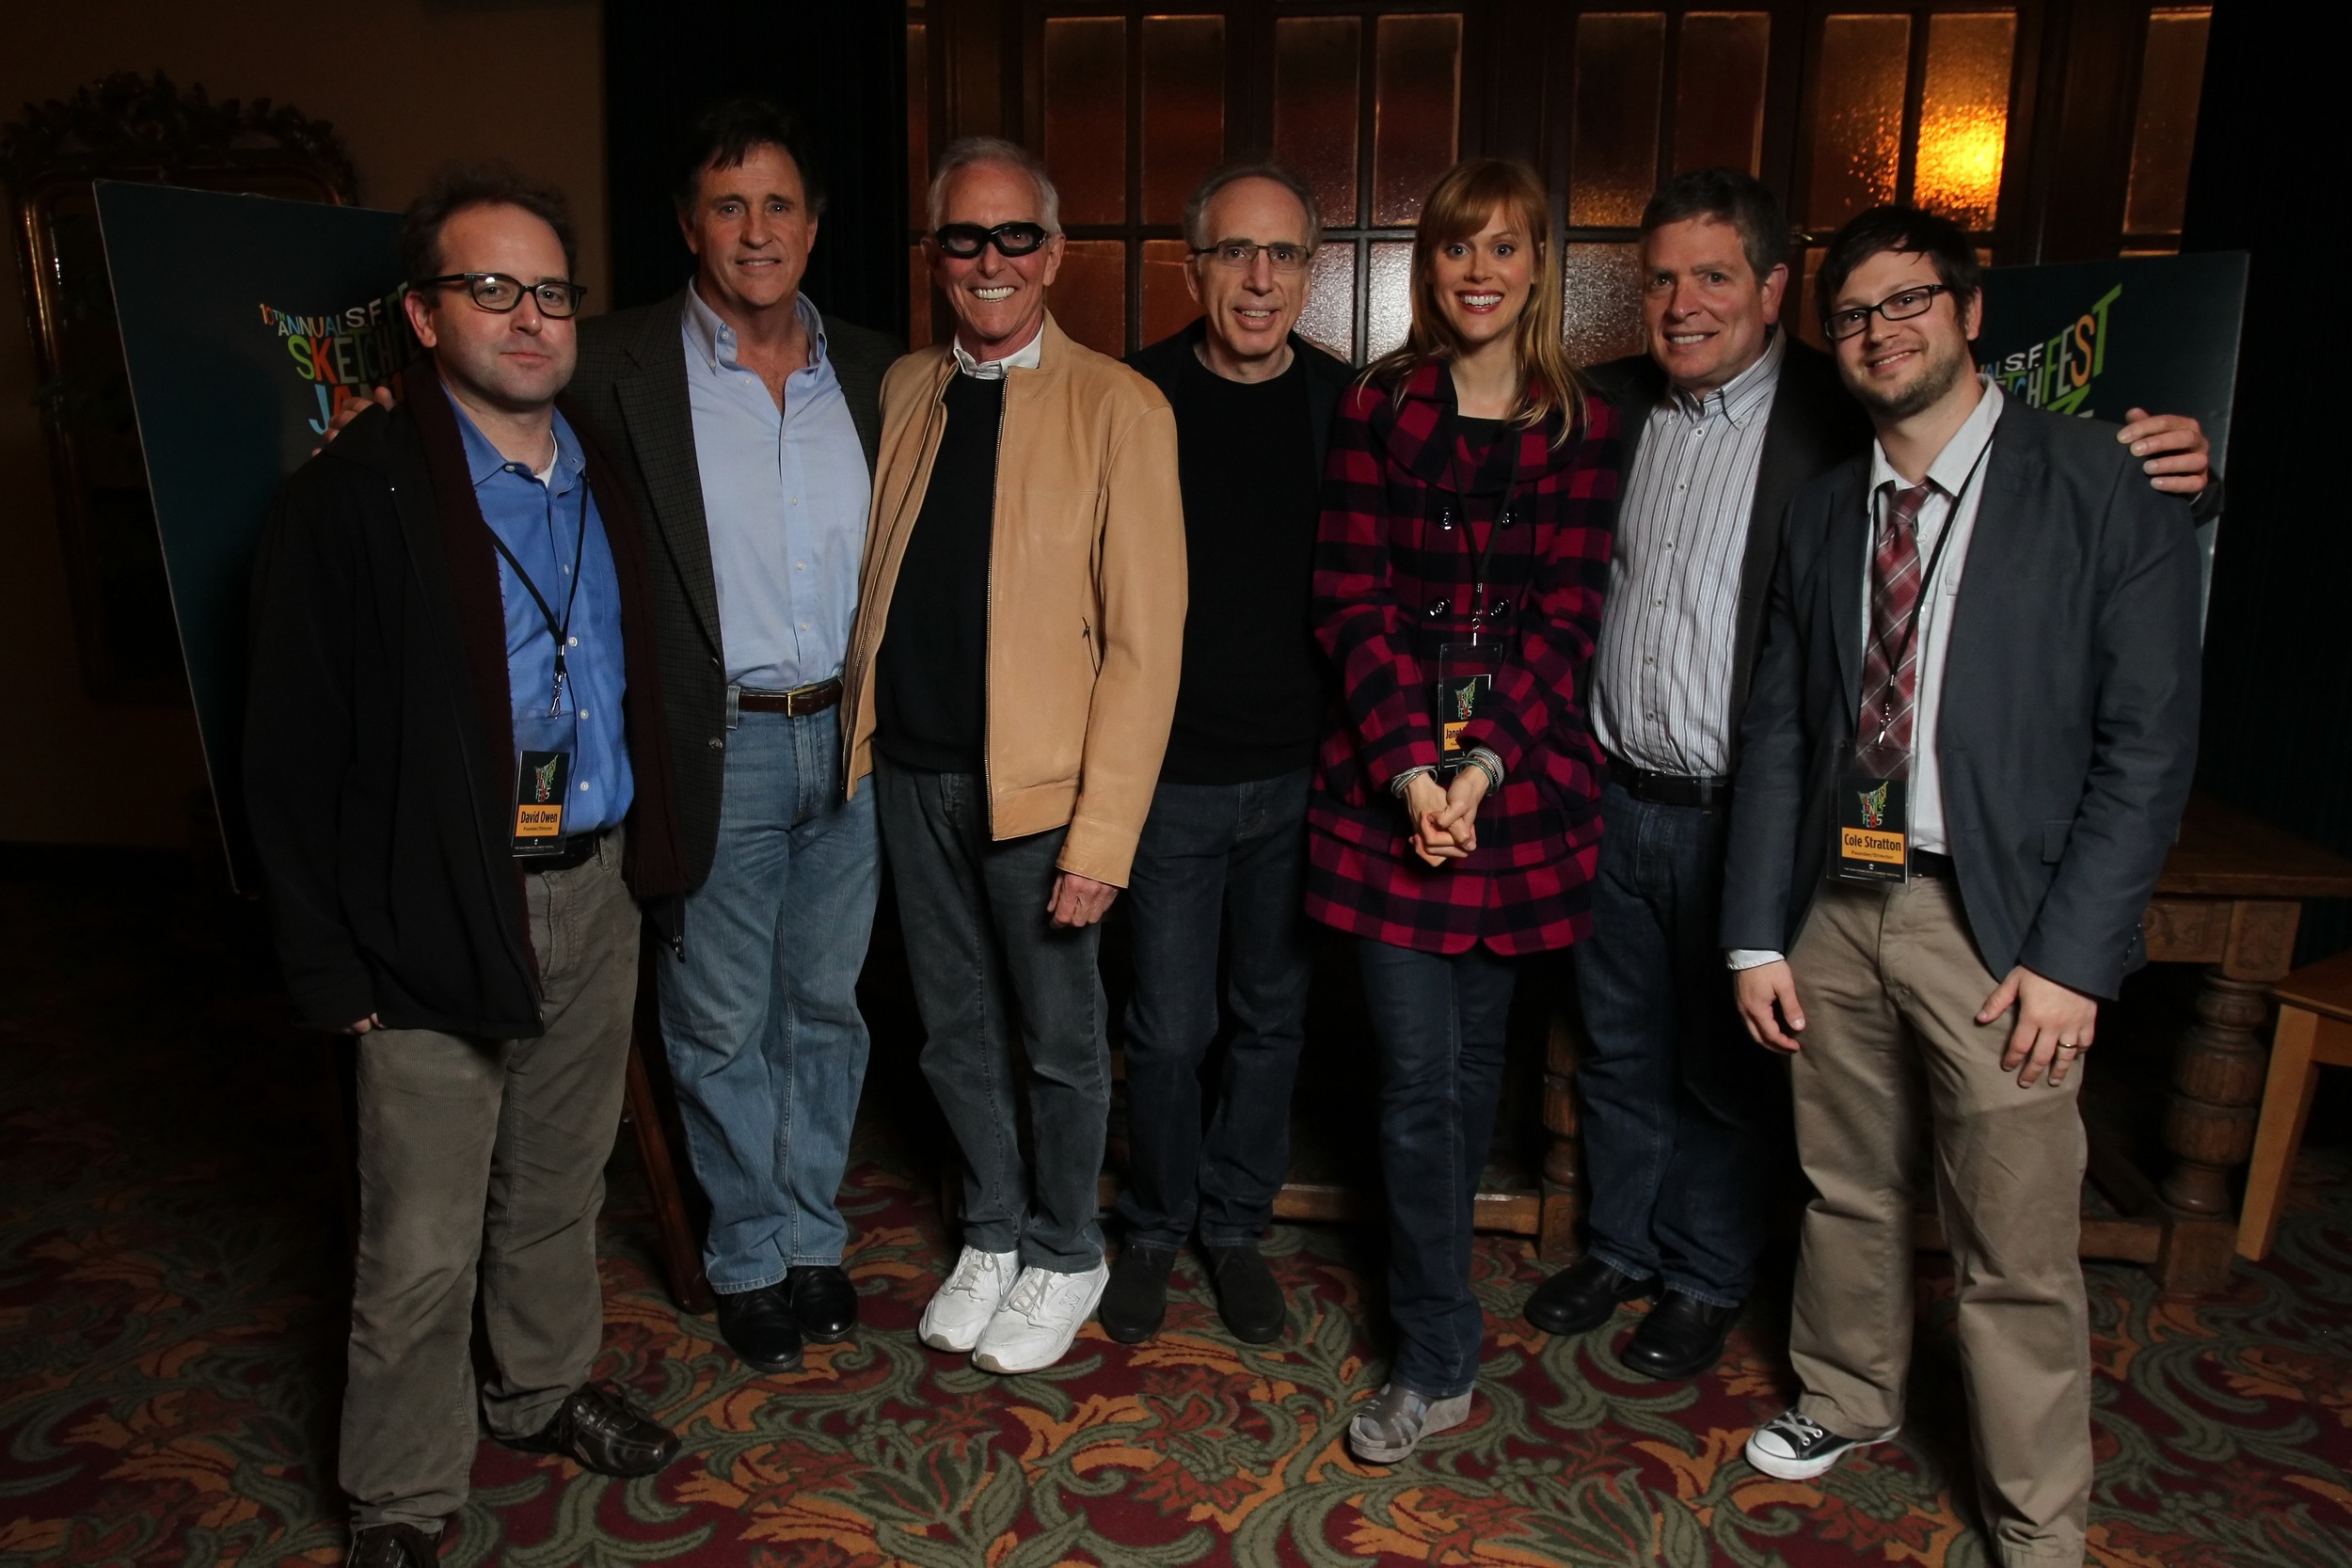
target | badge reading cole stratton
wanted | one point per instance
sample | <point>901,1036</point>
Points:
<point>1873,823</point>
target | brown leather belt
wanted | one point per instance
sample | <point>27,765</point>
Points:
<point>800,700</point>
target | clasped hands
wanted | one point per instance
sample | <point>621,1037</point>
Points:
<point>2055,1023</point>
<point>1445,818</point>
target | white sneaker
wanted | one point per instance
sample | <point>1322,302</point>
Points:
<point>960,1310</point>
<point>1033,1329</point>
<point>1794,1446</point>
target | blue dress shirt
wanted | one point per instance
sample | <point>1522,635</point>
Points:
<point>540,522</point>
<point>785,494</point>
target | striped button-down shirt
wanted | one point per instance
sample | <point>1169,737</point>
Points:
<point>1662,676</point>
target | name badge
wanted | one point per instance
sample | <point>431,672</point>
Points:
<point>541,779</point>
<point>1466,676</point>
<point>1873,826</point>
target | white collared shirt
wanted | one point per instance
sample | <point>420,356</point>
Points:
<point>1947,476</point>
<point>1027,357</point>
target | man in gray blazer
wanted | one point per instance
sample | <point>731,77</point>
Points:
<point>1966,751</point>
<point>746,423</point>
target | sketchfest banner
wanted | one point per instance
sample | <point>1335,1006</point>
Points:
<point>2096,339</point>
<point>246,323</point>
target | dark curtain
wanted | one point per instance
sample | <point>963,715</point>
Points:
<point>2278,730</point>
<point>840,67</point>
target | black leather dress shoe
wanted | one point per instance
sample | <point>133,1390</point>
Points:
<point>1583,1296</point>
<point>760,1326</point>
<point>598,1429</point>
<point>392,1546</point>
<point>1136,1301</point>
<point>1681,1338</point>
<point>824,1302</point>
<point>1248,1297</point>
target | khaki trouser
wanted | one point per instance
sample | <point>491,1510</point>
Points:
<point>1890,983</point>
<point>485,1158</point>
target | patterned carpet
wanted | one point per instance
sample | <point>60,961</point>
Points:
<point>170,1336</point>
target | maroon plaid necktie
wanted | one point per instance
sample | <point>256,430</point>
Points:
<point>1890,664</point>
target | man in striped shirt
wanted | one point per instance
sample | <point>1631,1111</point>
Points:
<point>1725,418</point>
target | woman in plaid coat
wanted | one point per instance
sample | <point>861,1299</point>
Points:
<point>1455,823</point>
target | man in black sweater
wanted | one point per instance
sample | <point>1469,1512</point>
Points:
<point>458,788</point>
<point>1227,833</point>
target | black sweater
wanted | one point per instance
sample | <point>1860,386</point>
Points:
<point>930,693</point>
<point>378,748</point>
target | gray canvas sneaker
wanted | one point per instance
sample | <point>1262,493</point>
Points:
<point>1394,1424</point>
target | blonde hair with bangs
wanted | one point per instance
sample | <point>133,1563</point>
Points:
<point>1464,197</point>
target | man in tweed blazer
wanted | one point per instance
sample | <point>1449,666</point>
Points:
<point>745,424</point>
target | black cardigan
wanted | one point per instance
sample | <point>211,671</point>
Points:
<point>378,744</point>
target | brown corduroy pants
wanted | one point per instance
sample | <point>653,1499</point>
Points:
<point>1890,983</point>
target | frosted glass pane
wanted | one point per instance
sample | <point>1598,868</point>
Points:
<point>919,124</point>
<point>1166,303</point>
<point>1417,111</point>
<point>1719,90</point>
<point>2171,76</point>
<point>1316,109</point>
<point>1086,116</point>
<point>1089,295</point>
<point>1858,124</point>
<point>1329,318</point>
<point>1389,313</point>
<point>1612,160</point>
<point>1964,115</point>
<point>1603,302</point>
<point>1183,109</point>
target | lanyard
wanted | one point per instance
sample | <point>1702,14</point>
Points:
<point>1479,553</point>
<point>560,630</point>
<point>1927,586</point>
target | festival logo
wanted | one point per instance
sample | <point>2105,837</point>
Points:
<point>1466,702</point>
<point>544,778</point>
<point>344,354</point>
<point>2057,374</point>
<point>1874,806</point>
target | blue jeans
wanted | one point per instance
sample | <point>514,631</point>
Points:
<point>994,975</point>
<point>1678,1102</point>
<point>1211,854</point>
<point>1440,1024</point>
<point>759,1015</point>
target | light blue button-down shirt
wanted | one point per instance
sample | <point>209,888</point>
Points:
<point>540,521</point>
<point>785,493</point>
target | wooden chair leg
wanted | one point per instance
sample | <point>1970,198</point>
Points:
<point>2286,1101</point>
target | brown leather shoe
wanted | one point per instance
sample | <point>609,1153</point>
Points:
<point>600,1430</point>
<point>392,1546</point>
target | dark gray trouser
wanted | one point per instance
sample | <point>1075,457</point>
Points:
<point>1214,857</point>
<point>989,969</point>
<point>486,1157</point>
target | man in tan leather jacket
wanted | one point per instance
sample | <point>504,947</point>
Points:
<point>1009,685</point>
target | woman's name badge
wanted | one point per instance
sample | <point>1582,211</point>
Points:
<point>1466,674</point>
<point>1873,823</point>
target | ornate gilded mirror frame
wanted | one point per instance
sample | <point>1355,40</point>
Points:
<point>127,127</point>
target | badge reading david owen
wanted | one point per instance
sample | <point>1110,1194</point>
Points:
<point>540,780</point>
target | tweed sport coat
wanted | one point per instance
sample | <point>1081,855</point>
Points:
<point>1393,583</point>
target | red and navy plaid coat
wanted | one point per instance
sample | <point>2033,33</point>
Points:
<point>1392,582</point>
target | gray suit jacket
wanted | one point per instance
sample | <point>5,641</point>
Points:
<point>631,388</point>
<point>2068,730</point>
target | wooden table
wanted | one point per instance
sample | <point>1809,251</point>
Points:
<point>2230,897</point>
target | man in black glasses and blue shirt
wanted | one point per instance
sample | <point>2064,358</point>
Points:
<point>1221,867</point>
<point>459,785</point>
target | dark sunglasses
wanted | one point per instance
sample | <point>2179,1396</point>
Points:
<point>964,241</point>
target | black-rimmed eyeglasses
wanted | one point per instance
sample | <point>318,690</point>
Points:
<point>964,241</point>
<point>1901,306</point>
<point>496,290</point>
<point>1241,255</point>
